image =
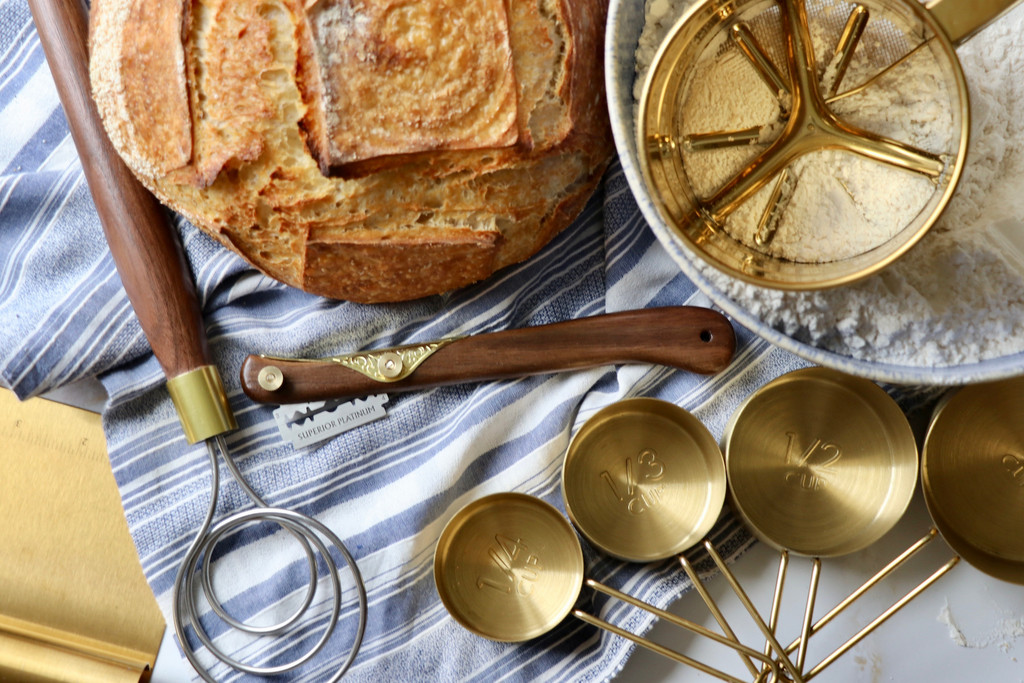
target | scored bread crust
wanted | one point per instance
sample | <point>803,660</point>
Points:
<point>248,118</point>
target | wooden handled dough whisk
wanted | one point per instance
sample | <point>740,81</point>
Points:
<point>156,277</point>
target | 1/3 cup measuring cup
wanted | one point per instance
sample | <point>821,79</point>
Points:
<point>643,480</point>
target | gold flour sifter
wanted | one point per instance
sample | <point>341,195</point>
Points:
<point>802,144</point>
<point>156,278</point>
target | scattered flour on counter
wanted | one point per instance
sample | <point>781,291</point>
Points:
<point>958,296</point>
<point>1005,632</point>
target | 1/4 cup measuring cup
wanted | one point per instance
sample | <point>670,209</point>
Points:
<point>509,567</point>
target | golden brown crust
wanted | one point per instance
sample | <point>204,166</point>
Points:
<point>144,85</point>
<point>448,258</point>
<point>403,77</point>
<point>246,133</point>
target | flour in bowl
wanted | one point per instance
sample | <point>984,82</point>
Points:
<point>958,296</point>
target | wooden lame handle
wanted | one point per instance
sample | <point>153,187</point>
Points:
<point>690,338</point>
<point>145,247</point>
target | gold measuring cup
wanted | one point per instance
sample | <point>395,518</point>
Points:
<point>509,567</point>
<point>822,464</point>
<point>644,480</point>
<point>972,475</point>
<point>972,478</point>
<point>812,101</point>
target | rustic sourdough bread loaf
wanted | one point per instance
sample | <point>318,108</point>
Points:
<point>369,150</point>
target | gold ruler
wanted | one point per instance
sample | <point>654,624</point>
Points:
<point>74,604</point>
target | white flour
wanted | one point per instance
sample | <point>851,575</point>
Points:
<point>958,296</point>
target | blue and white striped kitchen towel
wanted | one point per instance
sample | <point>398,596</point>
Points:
<point>386,488</point>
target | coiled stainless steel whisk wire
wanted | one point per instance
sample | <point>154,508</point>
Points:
<point>197,563</point>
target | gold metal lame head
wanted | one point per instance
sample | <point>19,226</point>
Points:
<point>803,144</point>
<point>820,463</point>
<point>972,473</point>
<point>643,480</point>
<point>508,567</point>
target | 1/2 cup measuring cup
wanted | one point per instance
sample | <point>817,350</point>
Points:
<point>822,464</point>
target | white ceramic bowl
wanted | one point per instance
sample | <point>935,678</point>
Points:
<point>625,24</point>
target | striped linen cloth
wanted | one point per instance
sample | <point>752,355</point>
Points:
<point>386,488</point>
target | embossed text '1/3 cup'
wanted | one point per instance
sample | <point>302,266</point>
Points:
<point>509,567</point>
<point>644,480</point>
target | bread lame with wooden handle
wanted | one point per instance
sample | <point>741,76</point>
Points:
<point>687,337</point>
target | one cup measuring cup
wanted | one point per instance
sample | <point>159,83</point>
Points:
<point>509,567</point>
<point>972,475</point>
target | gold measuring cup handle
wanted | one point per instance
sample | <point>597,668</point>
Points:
<point>716,612</point>
<point>961,20</point>
<point>770,666</point>
<point>810,629</point>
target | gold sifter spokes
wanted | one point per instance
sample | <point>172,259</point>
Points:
<point>802,144</point>
<point>810,123</point>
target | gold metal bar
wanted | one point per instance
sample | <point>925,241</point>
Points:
<point>750,180</point>
<point>677,621</point>
<point>780,583</point>
<point>892,152</point>
<point>794,674</point>
<point>870,583</point>
<point>800,56</point>
<point>868,83</point>
<point>768,225</point>
<point>961,20</point>
<point>882,618</point>
<point>846,46</point>
<point>202,403</point>
<point>794,140</point>
<point>700,142</point>
<point>753,51</point>
<point>715,611</point>
<point>383,365</point>
<point>654,647</point>
<point>805,631</point>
